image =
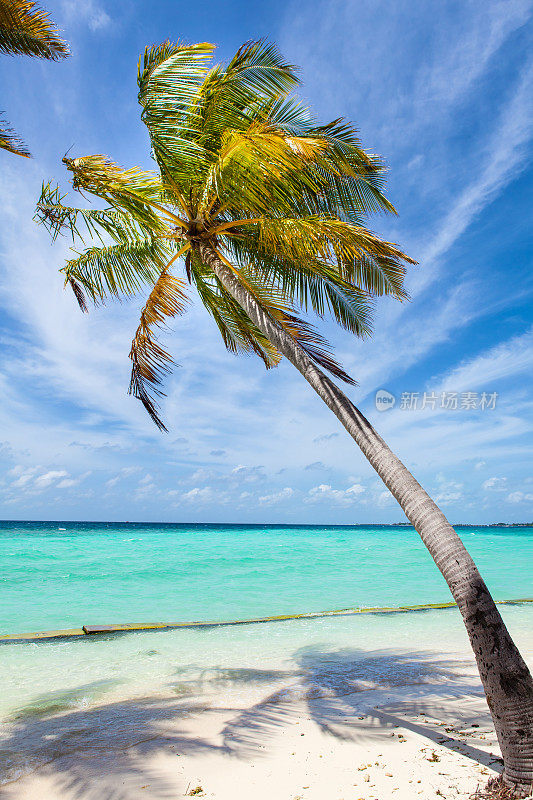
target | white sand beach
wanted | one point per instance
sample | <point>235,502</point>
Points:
<point>327,724</point>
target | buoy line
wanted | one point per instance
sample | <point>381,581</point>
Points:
<point>92,630</point>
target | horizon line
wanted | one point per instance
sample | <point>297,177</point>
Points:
<point>269,524</point>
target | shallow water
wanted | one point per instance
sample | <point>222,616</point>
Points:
<point>102,573</point>
<point>39,678</point>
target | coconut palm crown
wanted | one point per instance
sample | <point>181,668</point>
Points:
<point>244,167</point>
<point>26,29</point>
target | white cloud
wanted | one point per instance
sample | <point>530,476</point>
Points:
<point>276,497</point>
<point>23,475</point>
<point>247,474</point>
<point>67,483</point>
<point>505,154</point>
<point>448,491</point>
<point>198,495</point>
<point>32,481</point>
<point>385,499</point>
<point>495,484</point>
<point>324,492</point>
<point>125,472</point>
<point>146,490</point>
<point>448,497</point>
<point>520,497</point>
<point>203,474</point>
<point>47,478</point>
<point>510,358</point>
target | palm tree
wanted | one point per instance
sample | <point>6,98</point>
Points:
<point>266,208</point>
<point>25,29</point>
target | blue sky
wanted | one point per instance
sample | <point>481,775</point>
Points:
<point>443,92</point>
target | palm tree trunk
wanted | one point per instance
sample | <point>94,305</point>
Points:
<point>506,679</point>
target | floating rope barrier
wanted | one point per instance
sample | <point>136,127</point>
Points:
<point>92,630</point>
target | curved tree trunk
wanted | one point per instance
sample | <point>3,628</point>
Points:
<point>506,679</point>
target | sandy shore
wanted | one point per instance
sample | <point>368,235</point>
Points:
<point>379,725</point>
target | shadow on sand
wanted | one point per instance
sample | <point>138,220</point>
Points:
<point>351,695</point>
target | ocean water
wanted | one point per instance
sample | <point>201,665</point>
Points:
<point>61,575</point>
<point>107,691</point>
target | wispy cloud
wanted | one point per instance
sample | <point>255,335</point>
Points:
<point>504,154</point>
<point>88,12</point>
<point>508,359</point>
<point>276,497</point>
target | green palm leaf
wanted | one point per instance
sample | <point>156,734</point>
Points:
<point>116,270</point>
<point>150,361</point>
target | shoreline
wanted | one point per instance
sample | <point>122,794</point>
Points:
<point>330,709</point>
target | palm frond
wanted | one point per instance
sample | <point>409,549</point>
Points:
<point>311,283</point>
<point>26,29</point>
<point>229,96</point>
<point>118,270</point>
<point>150,361</point>
<point>276,304</point>
<point>357,256</point>
<point>258,67</point>
<point>285,113</point>
<point>169,77</point>
<point>316,347</point>
<point>262,170</point>
<point>325,238</point>
<point>11,142</point>
<point>354,178</point>
<point>81,223</point>
<point>133,191</point>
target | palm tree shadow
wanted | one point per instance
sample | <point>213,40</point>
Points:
<point>340,690</point>
<point>420,692</point>
<point>80,747</point>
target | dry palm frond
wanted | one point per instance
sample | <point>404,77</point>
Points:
<point>150,361</point>
<point>496,789</point>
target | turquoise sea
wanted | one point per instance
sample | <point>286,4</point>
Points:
<point>95,692</point>
<point>66,574</point>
